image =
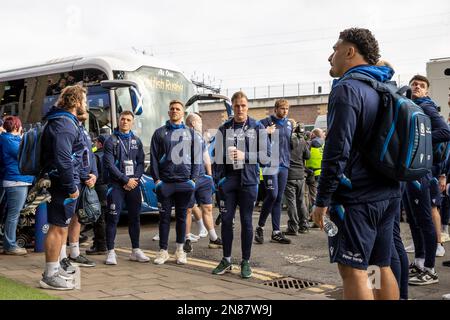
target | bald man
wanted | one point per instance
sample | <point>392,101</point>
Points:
<point>203,190</point>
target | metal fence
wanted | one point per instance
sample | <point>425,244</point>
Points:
<point>283,90</point>
<point>296,89</point>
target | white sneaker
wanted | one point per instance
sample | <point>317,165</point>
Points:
<point>111,258</point>
<point>410,248</point>
<point>440,251</point>
<point>180,256</point>
<point>161,257</point>
<point>445,237</point>
<point>446,296</point>
<point>192,237</point>
<point>156,237</point>
<point>138,255</point>
<point>203,233</point>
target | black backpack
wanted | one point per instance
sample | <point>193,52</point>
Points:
<point>400,145</point>
<point>88,206</point>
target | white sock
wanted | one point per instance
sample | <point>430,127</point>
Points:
<point>445,228</point>
<point>419,262</point>
<point>228,259</point>
<point>276,231</point>
<point>63,252</point>
<point>431,270</point>
<point>212,235</point>
<point>51,268</point>
<point>200,225</point>
<point>74,249</point>
<point>111,251</point>
<point>180,246</point>
<point>136,250</point>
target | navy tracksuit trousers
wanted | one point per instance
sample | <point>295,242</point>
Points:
<point>178,194</point>
<point>234,194</point>
<point>420,221</point>
<point>399,260</point>
<point>275,186</point>
<point>117,196</point>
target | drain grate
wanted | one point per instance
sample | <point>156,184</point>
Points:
<point>291,283</point>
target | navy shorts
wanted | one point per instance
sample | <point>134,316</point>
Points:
<point>365,233</point>
<point>203,191</point>
<point>60,209</point>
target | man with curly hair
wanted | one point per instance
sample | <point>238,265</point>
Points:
<point>362,203</point>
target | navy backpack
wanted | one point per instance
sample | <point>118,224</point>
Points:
<point>400,146</point>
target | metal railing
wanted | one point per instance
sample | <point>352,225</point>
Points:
<point>296,89</point>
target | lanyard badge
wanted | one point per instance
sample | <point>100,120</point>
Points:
<point>127,164</point>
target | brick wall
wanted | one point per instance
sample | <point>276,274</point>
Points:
<point>306,114</point>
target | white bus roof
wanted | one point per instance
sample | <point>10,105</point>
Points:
<point>123,61</point>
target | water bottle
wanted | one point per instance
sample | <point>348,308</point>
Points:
<point>329,226</point>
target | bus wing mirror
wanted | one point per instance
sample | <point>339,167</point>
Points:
<point>135,95</point>
<point>211,96</point>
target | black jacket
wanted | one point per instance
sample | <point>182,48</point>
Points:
<point>299,153</point>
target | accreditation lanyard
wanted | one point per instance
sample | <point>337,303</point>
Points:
<point>128,164</point>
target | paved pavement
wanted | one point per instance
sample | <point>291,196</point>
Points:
<point>134,280</point>
<point>306,259</point>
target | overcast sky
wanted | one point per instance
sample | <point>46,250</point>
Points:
<point>242,43</point>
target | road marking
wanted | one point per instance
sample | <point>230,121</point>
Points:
<point>297,258</point>
<point>208,264</point>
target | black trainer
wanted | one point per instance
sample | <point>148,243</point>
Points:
<point>424,278</point>
<point>67,266</point>
<point>95,250</point>
<point>187,247</point>
<point>291,232</point>
<point>216,244</point>
<point>446,263</point>
<point>259,235</point>
<point>303,230</point>
<point>82,261</point>
<point>280,238</point>
<point>414,270</point>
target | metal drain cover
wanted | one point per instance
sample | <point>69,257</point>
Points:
<point>291,283</point>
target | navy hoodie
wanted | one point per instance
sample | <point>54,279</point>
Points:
<point>61,138</point>
<point>118,148</point>
<point>285,131</point>
<point>161,151</point>
<point>346,176</point>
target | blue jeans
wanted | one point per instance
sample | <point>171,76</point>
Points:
<point>15,199</point>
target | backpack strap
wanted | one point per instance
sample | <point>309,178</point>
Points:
<point>115,145</point>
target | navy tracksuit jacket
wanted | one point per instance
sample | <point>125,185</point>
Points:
<point>175,160</point>
<point>118,148</point>
<point>61,142</point>
<point>275,184</point>
<point>363,202</point>
<point>424,193</point>
<point>239,187</point>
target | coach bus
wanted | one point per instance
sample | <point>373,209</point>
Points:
<point>115,82</point>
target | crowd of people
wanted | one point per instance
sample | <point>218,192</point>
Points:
<point>313,174</point>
